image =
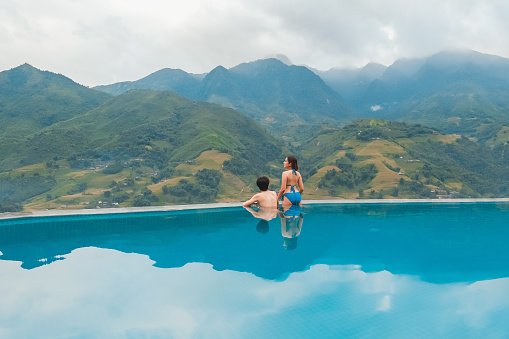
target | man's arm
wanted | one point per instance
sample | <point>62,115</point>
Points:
<point>251,201</point>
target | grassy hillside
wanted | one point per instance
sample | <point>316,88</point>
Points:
<point>59,186</point>
<point>149,124</point>
<point>138,140</point>
<point>31,99</point>
<point>369,158</point>
<point>374,158</point>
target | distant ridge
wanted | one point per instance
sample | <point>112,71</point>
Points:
<point>281,57</point>
<point>166,79</point>
<point>457,91</point>
<point>277,95</point>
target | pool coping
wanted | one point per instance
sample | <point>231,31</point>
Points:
<point>47,213</point>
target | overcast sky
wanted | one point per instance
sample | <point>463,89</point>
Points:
<point>105,41</point>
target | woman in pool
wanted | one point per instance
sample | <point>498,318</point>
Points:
<point>291,183</point>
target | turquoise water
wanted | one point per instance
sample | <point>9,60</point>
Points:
<point>345,271</point>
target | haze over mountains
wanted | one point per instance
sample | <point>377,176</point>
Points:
<point>57,137</point>
<point>458,92</point>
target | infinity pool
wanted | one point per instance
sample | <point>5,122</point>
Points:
<point>328,271</point>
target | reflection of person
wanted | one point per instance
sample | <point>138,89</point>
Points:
<point>266,198</point>
<point>291,183</point>
<point>263,213</point>
<point>291,225</point>
<point>263,226</point>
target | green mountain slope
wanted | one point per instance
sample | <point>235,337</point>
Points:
<point>379,158</point>
<point>280,97</point>
<point>166,79</point>
<point>136,113</point>
<point>279,88</point>
<point>31,99</point>
<point>142,138</point>
<point>63,144</point>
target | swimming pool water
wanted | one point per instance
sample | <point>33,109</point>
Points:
<point>347,271</point>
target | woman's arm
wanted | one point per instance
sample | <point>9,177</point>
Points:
<point>301,184</point>
<point>283,186</point>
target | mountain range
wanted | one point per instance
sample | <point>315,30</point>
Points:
<point>172,133</point>
<point>280,97</point>
<point>462,92</point>
<point>459,92</point>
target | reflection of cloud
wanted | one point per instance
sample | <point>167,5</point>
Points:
<point>106,293</point>
<point>385,303</point>
<point>480,301</point>
<point>376,108</point>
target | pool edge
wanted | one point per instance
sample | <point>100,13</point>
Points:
<point>15,215</point>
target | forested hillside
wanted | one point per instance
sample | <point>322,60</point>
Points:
<point>67,146</point>
<point>31,99</point>
<point>140,148</point>
<point>375,158</point>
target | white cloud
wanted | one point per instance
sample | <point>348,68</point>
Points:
<point>376,108</point>
<point>99,42</point>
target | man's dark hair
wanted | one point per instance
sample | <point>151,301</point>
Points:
<point>263,183</point>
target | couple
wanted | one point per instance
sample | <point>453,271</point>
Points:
<point>291,188</point>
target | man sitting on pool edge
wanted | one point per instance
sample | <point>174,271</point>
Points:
<point>264,199</point>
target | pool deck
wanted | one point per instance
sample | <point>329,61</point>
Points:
<point>48,213</point>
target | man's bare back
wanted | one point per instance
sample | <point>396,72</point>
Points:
<point>265,199</point>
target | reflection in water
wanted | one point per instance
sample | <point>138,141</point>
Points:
<point>100,293</point>
<point>264,214</point>
<point>359,271</point>
<point>291,222</point>
<point>291,225</point>
<point>262,226</point>
<point>438,243</point>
